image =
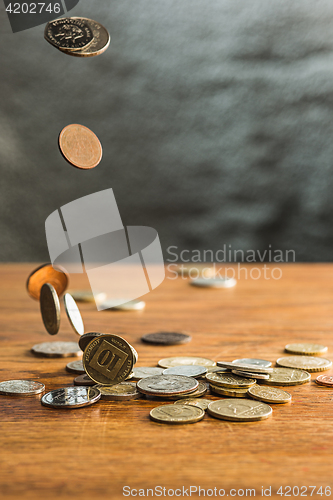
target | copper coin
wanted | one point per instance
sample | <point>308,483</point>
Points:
<point>326,380</point>
<point>56,276</point>
<point>50,308</point>
<point>84,380</point>
<point>166,338</point>
<point>80,146</point>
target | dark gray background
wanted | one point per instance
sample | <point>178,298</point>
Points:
<point>215,118</point>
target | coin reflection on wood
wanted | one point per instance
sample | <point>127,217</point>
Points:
<point>80,146</point>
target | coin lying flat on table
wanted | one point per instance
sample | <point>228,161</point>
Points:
<point>71,397</point>
<point>75,367</point>
<point>69,33</point>
<point>187,370</point>
<point>215,282</point>
<point>125,391</point>
<point>269,394</point>
<point>87,296</point>
<point>84,380</point>
<point>260,376</point>
<point>231,392</point>
<point>241,411</point>
<point>326,380</point>
<point>108,359</point>
<point>146,371</point>
<point>50,308</point>
<point>243,367</point>
<point>177,414</point>
<point>80,146</point>
<point>200,403</point>
<point>306,349</point>
<point>287,377</point>
<point>73,314</point>
<point>86,338</point>
<point>166,338</point>
<point>229,380</point>
<point>99,44</point>
<point>46,273</point>
<point>167,385</point>
<point>21,388</point>
<point>308,363</point>
<point>253,361</point>
<point>185,360</point>
<point>199,391</point>
<point>130,305</point>
<point>56,349</point>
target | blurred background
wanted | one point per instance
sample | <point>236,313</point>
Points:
<point>215,120</point>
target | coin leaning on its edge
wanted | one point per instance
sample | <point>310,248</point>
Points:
<point>21,388</point>
<point>50,308</point>
<point>99,44</point>
<point>245,410</point>
<point>177,414</point>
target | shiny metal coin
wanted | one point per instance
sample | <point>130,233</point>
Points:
<point>56,349</point>
<point>253,361</point>
<point>86,338</point>
<point>186,370</point>
<point>326,380</point>
<point>73,314</point>
<point>21,388</point>
<point>215,282</point>
<point>177,414</point>
<point>75,367</point>
<point>146,371</point>
<point>231,392</point>
<point>239,411</point>
<point>135,354</point>
<point>71,397</point>
<point>56,276</point>
<point>125,391</point>
<point>131,305</point>
<point>259,376</point>
<point>199,391</point>
<point>308,363</point>
<point>212,369</point>
<point>200,403</point>
<point>99,44</point>
<point>167,385</point>
<point>69,33</point>
<point>243,367</point>
<point>166,338</point>
<point>185,360</point>
<point>306,349</point>
<point>269,394</point>
<point>50,308</point>
<point>84,380</point>
<point>229,380</point>
<point>88,296</point>
<point>287,376</point>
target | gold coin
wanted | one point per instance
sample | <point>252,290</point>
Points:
<point>241,411</point>
<point>306,349</point>
<point>308,363</point>
<point>287,376</point>
<point>185,360</point>
<point>200,403</point>
<point>177,414</point>
<point>99,44</point>
<point>108,359</point>
<point>125,391</point>
<point>229,380</point>
<point>269,394</point>
<point>200,391</point>
<point>231,393</point>
<point>50,308</point>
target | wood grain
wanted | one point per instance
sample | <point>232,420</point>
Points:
<point>93,452</point>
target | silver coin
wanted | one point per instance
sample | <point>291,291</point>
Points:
<point>75,367</point>
<point>71,397</point>
<point>146,371</point>
<point>125,391</point>
<point>260,376</point>
<point>73,314</point>
<point>167,385</point>
<point>21,387</point>
<point>56,349</point>
<point>243,367</point>
<point>187,370</point>
<point>215,282</point>
<point>253,361</point>
<point>131,305</point>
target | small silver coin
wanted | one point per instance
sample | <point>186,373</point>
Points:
<point>146,371</point>
<point>71,397</point>
<point>56,349</point>
<point>75,367</point>
<point>131,305</point>
<point>187,370</point>
<point>216,282</point>
<point>243,367</point>
<point>260,376</point>
<point>167,385</point>
<point>21,388</point>
<point>253,361</point>
<point>73,314</point>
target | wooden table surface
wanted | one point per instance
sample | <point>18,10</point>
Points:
<point>94,452</point>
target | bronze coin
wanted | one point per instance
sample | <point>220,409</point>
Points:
<point>326,380</point>
<point>56,276</point>
<point>50,308</point>
<point>69,33</point>
<point>166,338</point>
<point>84,380</point>
<point>86,338</point>
<point>80,146</point>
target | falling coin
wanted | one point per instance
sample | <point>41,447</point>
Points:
<point>185,360</point>
<point>326,380</point>
<point>75,367</point>
<point>146,371</point>
<point>125,391</point>
<point>130,305</point>
<point>21,388</point>
<point>215,282</point>
<point>166,338</point>
<point>71,397</point>
<point>229,380</point>
<point>269,394</point>
<point>287,377</point>
<point>177,414</point>
<point>200,403</point>
<point>56,349</point>
<point>99,44</point>
<point>80,146</point>
<point>46,273</point>
<point>50,308</point>
<point>306,349</point>
<point>167,385</point>
<point>73,314</point>
<point>260,376</point>
<point>231,393</point>
<point>253,361</point>
<point>241,411</point>
<point>187,370</point>
<point>84,380</point>
<point>308,363</point>
<point>68,33</point>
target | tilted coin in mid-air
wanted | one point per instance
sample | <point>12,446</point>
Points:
<point>50,308</point>
<point>177,414</point>
<point>185,360</point>
<point>56,349</point>
<point>71,397</point>
<point>55,276</point>
<point>99,44</point>
<point>69,33</point>
<point>306,349</point>
<point>287,376</point>
<point>308,363</point>
<point>243,410</point>
<point>21,388</point>
<point>73,314</point>
<point>269,394</point>
<point>80,146</point>
<point>167,385</point>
